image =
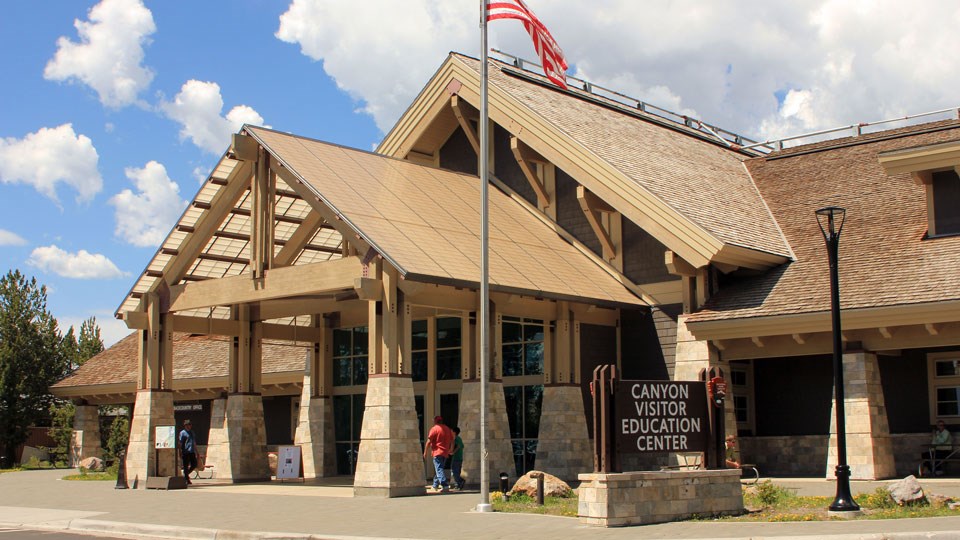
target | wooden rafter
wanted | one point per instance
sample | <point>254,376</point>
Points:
<point>527,159</point>
<point>263,190</point>
<point>300,238</point>
<point>592,207</point>
<point>464,113</point>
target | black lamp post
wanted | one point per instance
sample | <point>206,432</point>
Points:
<point>831,219</point>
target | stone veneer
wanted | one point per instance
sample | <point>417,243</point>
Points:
<point>499,446</point>
<point>869,451</point>
<point>314,434</point>
<point>390,463</point>
<point>787,455</point>
<point>238,438</point>
<point>638,498</point>
<point>907,448</point>
<point>85,441</point>
<point>152,408</point>
<point>564,449</point>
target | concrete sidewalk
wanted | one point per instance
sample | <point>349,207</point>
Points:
<point>40,500</point>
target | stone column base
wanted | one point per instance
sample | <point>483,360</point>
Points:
<point>152,408</point>
<point>639,498</point>
<point>564,448</point>
<point>390,462</point>
<point>315,435</point>
<point>869,450</point>
<point>85,441</point>
<point>237,445</point>
<point>499,447</point>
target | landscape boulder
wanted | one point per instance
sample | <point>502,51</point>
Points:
<point>906,491</point>
<point>92,464</point>
<point>552,486</point>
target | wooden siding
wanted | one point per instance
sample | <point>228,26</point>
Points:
<point>643,256</point>
<point>570,214</point>
<point>457,155</point>
<point>505,166</point>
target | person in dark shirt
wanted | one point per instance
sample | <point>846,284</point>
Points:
<point>188,449</point>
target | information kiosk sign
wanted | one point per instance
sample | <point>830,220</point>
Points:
<point>661,416</point>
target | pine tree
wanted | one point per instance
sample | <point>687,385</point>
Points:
<point>89,344</point>
<point>32,357</point>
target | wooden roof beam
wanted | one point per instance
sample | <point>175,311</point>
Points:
<point>527,159</point>
<point>464,113</point>
<point>300,238</point>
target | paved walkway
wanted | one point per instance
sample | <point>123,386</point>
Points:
<point>40,500</point>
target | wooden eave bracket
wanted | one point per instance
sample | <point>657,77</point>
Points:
<point>592,207</point>
<point>243,147</point>
<point>368,288</point>
<point>464,113</point>
<point>527,158</point>
<point>677,266</point>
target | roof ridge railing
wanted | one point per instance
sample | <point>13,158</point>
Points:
<point>726,137</point>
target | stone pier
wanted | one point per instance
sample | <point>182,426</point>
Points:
<point>390,463</point>
<point>315,434</point>
<point>869,450</point>
<point>499,447</point>
<point>152,408</point>
<point>85,441</point>
<point>564,448</point>
<point>237,446</point>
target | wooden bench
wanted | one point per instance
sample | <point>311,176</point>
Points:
<point>933,462</point>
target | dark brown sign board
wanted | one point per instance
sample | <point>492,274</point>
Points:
<point>661,416</point>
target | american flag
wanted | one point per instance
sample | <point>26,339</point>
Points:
<point>554,64</point>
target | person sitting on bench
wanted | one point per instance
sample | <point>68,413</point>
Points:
<point>941,446</point>
<point>732,459</point>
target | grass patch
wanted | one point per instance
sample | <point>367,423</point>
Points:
<point>519,503</point>
<point>9,470</point>
<point>84,475</point>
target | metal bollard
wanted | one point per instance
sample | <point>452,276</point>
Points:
<point>539,478</point>
<point>504,480</point>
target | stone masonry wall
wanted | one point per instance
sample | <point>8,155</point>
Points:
<point>152,408</point>
<point>85,441</point>
<point>564,449</point>
<point>238,438</point>
<point>499,446</point>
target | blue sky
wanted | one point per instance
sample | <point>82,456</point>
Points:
<point>113,111</point>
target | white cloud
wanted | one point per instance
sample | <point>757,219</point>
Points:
<point>8,238</point>
<point>79,265</point>
<point>730,61</point>
<point>144,218</point>
<point>110,52</point>
<point>49,156</point>
<point>197,108</point>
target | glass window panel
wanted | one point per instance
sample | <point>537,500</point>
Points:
<point>533,400</point>
<point>533,361</point>
<point>418,403</point>
<point>419,367</point>
<point>740,408</point>
<point>450,409</point>
<point>512,360</point>
<point>530,456</point>
<point>346,461</point>
<point>341,371</point>
<point>518,457</point>
<point>358,405</point>
<point>947,409</point>
<point>533,332</point>
<point>512,332</point>
<point>947,368</point>
<point>341,418</point>
<point>360,340</point>
<point>360,368</point>
<point>448,332</point>
<point>738,378</point>
<point>947,394</point>
<point>341,342</point>
<point>513,395</point>
<point>448,365</point>
<point>419,336</point>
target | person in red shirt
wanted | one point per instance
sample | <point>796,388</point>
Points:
<point>439,445</point>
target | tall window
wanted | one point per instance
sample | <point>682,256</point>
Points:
<point>945,382</point>
<point>350,356</point>
<point>523,386</point>
<point>347,421</point>
<point>741,386</point>
<point>523,412</point>
<point>419,351</point>
<point>522,347</point>
<point>449,347</point>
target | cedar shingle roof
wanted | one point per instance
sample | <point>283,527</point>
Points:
<point>194,357</point>
<point>884,258</point>
<point>427,222</point>
<point>701,180</point>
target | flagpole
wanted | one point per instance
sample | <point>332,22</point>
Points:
<point>484,505</point>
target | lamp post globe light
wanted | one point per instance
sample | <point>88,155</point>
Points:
<point>830,219</point>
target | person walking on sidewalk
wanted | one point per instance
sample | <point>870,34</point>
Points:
<point>188,449</point>
<point>456,459</point>
<point>439,445</point>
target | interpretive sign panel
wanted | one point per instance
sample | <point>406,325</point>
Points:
<point>166,437</point>
<point>661,416</point>
<point>288,462</point>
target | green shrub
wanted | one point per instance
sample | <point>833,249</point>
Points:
<point>880,498</point>
<point>117,438</point>
<point>32,464</point>
<point>61,414</point>
<point>767,493</point>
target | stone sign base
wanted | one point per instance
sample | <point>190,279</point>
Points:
<point>639,498</point>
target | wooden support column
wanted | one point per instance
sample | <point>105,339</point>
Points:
<point>256,357</point>
<point>375,323</point>
<point>496,348</point>
<point>549,362</point>
<point>155,354</point>
<point>263,190</point>
<point>391,319</point>
<point>563,349</point>
<point>239,360</point>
